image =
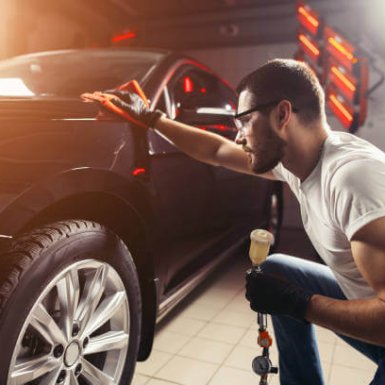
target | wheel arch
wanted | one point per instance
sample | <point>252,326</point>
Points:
<point>114,213</point>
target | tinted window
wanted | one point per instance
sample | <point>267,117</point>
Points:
<point>71,73</point>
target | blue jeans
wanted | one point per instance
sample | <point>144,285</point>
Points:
<point>299,362</point>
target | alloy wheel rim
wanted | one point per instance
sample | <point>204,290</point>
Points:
<point>77,331</point>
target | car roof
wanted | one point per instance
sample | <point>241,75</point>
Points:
<point>150,53</point>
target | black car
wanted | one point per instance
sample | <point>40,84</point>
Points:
<point>106,226</point>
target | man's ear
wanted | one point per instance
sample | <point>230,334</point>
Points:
<point>282,118</point>
<point>284,111</point>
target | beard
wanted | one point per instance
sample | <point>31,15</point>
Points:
<point>267,153</point>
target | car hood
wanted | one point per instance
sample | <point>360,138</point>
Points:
<point>46,108</point>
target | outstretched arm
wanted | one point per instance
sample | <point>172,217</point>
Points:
<point>202,145</point>
<point>207,147</point>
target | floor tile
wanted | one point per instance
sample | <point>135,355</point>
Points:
<point>170,342</point>
<point>250,339</point>
<point>186,371</point>
<point>155,381</point>
<point>156,360</point>
<point>326,352</point>
<point>222,333</point>
<point>203,312</point>
<point>343,375</point>
<point>206,350</point>
<point>234,318</point>
<point>240,304</point>
<point>139,379</point>
<point>183,325</point>
<point>325,335</point>
<point>241,358</point>
<point>232,376</point>
<point>347,356</point>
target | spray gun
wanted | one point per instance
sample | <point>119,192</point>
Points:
<point>260,241</point>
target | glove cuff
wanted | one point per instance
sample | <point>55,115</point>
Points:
<point>154,117</point>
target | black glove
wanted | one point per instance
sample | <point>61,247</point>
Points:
<point>134,106</point>
<point>272,295</point>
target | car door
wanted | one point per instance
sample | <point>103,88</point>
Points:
<point>203,208</point>
<point>185,199</point>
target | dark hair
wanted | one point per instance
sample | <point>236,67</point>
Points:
<point>287,79</point>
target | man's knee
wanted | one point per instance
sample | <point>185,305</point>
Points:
<point>277,263</point>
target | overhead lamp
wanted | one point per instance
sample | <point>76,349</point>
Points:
<point>309,19</point>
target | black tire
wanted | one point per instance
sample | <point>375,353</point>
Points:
<point>53,260</point>
<point>276,214</point>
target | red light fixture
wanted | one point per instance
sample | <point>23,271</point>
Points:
<point>340,48</point>
<point>309,19</point>
<point>309,47</point>
<point>123,36</point>
<point>343,80</point>
<point>342,109</point>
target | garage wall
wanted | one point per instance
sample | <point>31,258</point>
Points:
<point>35,30</point>
<point>53,31</point>
<point>7,10</point>
<point>233,63</point>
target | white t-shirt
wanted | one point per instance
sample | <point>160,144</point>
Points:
<point>344,192</point>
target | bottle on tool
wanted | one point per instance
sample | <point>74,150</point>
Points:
<point>260,241</point>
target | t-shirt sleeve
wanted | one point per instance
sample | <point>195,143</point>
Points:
<point>284,175</point>
<point>358,194</point>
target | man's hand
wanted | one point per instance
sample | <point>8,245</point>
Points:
<point>129,105</point>
<point>269,294</point>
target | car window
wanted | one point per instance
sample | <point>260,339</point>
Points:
<point>194,89</point>
<point>70,73</point>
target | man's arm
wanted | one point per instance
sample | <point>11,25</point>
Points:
<point>207,147</point>
<point>361,319</point>
<point>202,145</point>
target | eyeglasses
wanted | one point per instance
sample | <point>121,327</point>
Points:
<point>240,125</point>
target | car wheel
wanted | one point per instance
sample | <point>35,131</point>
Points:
<point>70,307</point>
<point>276,214</point>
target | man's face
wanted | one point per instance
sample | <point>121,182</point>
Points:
<point>257,137</point>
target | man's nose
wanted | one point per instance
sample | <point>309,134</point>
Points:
<point>239,139</point>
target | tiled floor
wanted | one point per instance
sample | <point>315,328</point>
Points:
<point>210,339</point>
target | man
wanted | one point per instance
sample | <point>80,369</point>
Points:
<point>339,181</point>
